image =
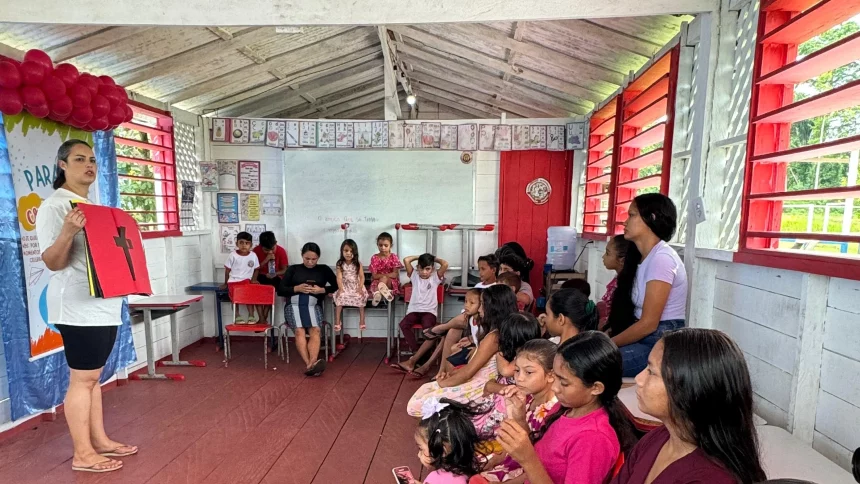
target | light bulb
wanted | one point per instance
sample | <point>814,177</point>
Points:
<point>410,100</point>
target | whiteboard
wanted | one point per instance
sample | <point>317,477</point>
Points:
<point>372,191</point>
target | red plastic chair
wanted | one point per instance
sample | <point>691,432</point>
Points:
<point>407,296</point>
<point>253,295</point>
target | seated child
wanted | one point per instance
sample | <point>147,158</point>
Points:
<point>424,303</point>
<point>273,266</point>
<point>510,262</point>
<point>534,380</point>
<point>446,442</point>
<point>385,270</point>
<point>488,268</point>
<point>240,269</point>
<point>584,287</point>
<point>512,280</point>
<point>613,260</point>
<point>350,282</point>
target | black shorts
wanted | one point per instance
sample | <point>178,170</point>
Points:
<point>87,347</point>
<point>269,281</point>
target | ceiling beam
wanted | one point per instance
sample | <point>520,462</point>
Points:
<point>104,38</point>
<point>506,106</point>
<point>511,58</point>
<point>330,12</point>
<point>361,102</point>
<point>370,111</point>
<point>462,100</point>
<point>498,64</point>
<point>481,113</point>
<point>333,99</point>
<point>392,103</point>
<point>340,38</point>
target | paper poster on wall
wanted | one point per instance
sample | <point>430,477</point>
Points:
<point>521,137</point>
<point>186,208</point>
<point>258,131</point>
<point>228,237</point>
<point>537,135</point>
<point>502,140</point>
<point>228,208</point>
<point>227,174</point>
<point>575,136</point>
<point>449,137</point>
<point>209,176</point>
<point>255,230</point>
<point>240,130</point>
<point>273,205</point>
<point>32,152</point>
<point>431,135</point>
<point>307,133</point>
<point>380,135</point>
<point>292,140</point>
<point>412,135</point>
<point>249,204</point>
<point>486,137</point>
<point>395,134</point>
<point>326,138</point>
<point>219,129</point>
<point>275,131</point>
<point>249,176</point>
<point>362,135</point>
<point>555,138</point>
<point>344,135</point>
<point>467,137</point>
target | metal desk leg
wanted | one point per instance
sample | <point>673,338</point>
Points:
<point>220,323</point>
<point>150,354</point>
<point>174,341</point>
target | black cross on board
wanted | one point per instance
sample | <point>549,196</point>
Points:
<point>125,244</point>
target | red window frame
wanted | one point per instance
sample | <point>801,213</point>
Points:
<point>163,165</point>
<point>783,26</point>
<point>601,138</point>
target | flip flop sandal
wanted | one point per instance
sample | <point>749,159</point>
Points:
<point>95,468</point>
<point>417,375</point>
<point>430,335</point>
<point>318,367</point>
<point>399,367</point>
<point>377,298</point>
<point>115,453</point>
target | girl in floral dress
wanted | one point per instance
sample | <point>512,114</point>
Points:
<point>385,270</point>
<point>350,281</point>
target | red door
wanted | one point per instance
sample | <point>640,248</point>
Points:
<point>520,219</point>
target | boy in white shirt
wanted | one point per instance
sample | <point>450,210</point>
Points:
<point>240,269</point>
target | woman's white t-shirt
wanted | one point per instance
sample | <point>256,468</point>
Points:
<point>68,297</point>
<point>662,264</point>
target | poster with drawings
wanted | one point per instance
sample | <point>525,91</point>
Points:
<point>258,131</point>
<point>555,138</point>
<point>503,138</point>
<point>228,208</point>
<point>431,135</point>
<point>249,207</point>
<point>538,137</point>
<point>575,136</point>
<point>255,230</point>
<point>467,137</point>
<point>395,134</point>
<point>449,137</point>
<point>228,238</point>
<point>227,174</point>
<point>209,176</point>
<point>380,135</point>
<point>273,205</point>
<point>521,139</point>
<point>412,134</point>
<point>362,135</point>
<point>219,129</point>
<point>292,139</point>
<point>249,176</point>
<point>307,133</point>
<point>276,133</point>
<point>343,135</point>
<point>326,138</point>
<point>486,137</point>
<point>240,130</point>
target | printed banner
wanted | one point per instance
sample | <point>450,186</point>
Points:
<point>250,207</point>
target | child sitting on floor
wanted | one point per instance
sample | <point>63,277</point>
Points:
<point>613,260</point>
<point>385,270</point>
<point>446,441</point>
<point>350,282</point>
<point>240,269</point>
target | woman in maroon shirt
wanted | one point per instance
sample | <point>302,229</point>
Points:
<point>697,383</point>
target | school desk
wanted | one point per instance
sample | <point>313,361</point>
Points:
<point>161,306</point>
<point>221,296</point>
<point>783,456</point>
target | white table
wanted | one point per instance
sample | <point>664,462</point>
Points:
<point>162,306</point>
<point>785,457</point>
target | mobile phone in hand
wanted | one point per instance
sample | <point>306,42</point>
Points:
<point>402,475</point>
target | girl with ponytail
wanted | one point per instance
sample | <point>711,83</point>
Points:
<point>581,442</point>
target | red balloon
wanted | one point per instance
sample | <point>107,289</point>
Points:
<point>129,114</point>
<point>100,124</point>
<point>39,57</point>
<point>61,107</point>
<point>53,87</point>
<point>41,111</point>
<point>67,73</point>
<point>107,80</point>
<point>72,122</point>
<point>82,115</point>
<point>89,81</point>
<point>10,78</point>
<point>116,116</point>
<point>32,73</point>
<point>80,96</point>
<point>10,102</point>
<point>100,106</point>
<point>122,93</point>
<point>32,97</point>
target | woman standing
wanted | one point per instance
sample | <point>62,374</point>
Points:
<point>697,383</point>
<point>88,325</point>
<point>306,286</point>
<point>651,296</point>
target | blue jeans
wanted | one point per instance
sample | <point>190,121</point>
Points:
<point>635,355</point>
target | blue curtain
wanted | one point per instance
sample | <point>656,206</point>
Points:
<point>41,384</point>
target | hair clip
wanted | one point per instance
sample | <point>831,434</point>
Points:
<point>431,407</point>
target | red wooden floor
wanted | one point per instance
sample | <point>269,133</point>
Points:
<point>243,424</point>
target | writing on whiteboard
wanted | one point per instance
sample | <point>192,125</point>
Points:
<point>346,219</point>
